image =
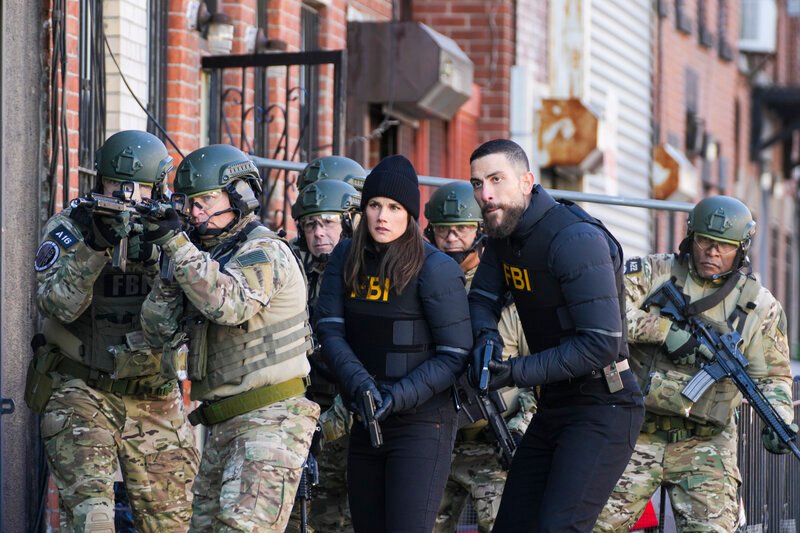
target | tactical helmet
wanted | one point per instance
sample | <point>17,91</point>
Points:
<point>453,203</point>
<point>723,218</point>
<point>220,167</point>
<point>133,155</point>
<point>332,167</point>
<point>326,196</point>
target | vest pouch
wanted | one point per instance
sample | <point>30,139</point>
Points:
<point>197,331</point>
<point>38,381</point>
<point>174,362</point>
<point>714,407</point>
<point>107,336</point>
<point>133,363</point>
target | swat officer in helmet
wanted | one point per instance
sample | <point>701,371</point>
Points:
<point>455,226</point>
<point>564,270</point>
<point>246,319</point>
<point>690,449</point>
<point>325,212</point>
<point>104,394</point>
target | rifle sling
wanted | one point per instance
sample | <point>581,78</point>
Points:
<point>703,304</point>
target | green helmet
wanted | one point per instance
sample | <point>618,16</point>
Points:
<point>333,167</point>
<point>326,196</point>
<point>723,218</point>
<point>453,203</point>
<point>133,155</point>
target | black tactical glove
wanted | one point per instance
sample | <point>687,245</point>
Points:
<point>500,374</point>
<point>357,403</point>
<point>143,252</point>
<point>107,231</point>
<point>772,443</point>
<point>159,231</point>
<point>683,347</point>
<point>476,365</point>
<point>386,406</point>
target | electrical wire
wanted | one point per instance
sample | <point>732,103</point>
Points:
<point>151,117</point>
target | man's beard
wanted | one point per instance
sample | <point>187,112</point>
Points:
<point>511,216</point>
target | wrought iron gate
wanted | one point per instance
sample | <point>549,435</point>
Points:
<point>273,114</point>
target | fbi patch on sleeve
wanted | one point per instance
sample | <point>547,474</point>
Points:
<point>63,237</point>
<point>252,258</point>
<point>632,266</point>
<point>46,256</point>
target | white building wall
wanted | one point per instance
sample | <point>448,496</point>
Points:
<point>619,65</point>
<point>126,27</point>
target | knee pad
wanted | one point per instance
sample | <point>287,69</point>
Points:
<point>95,514</point>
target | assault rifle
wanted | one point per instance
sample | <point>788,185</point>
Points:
<point>375,435</point>
<point>728,362</point>
<point>308,478</point>
<point>491,407</point>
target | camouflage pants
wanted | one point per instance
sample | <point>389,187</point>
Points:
<point>699,473</point>
<point>87,433</point>
<point>251,468</point>
<point>330,510</point>
<point>476,472</point>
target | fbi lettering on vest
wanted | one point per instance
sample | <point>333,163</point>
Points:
<point>517,278</point>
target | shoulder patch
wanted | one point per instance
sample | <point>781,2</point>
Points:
<point>632,266</point>
<point>63,237</point>
<point>252,258</point>
<point>46,256</point>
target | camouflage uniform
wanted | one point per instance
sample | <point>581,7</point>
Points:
<point>329,510</point>
<point>691,448</point>
<point>476,471</point>
<point>243,281</point>
<point>87,429</point>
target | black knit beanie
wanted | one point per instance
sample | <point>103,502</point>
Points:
<point>394,177</point>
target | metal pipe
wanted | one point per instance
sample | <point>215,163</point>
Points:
<point>645,203</point>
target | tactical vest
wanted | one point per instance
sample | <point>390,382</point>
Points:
<point>108,333</point>
<point>222,354</point>
<point>524,262</point>
<point>388,331</point>
<point>662,381</point>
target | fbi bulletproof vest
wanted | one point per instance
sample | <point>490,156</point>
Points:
<point>535,290</point>
<point>662,381</point>
<point>221,354</point>
<point>386,330</point>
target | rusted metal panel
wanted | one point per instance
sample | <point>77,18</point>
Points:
<point>568,132</point>
<point>674,177</point>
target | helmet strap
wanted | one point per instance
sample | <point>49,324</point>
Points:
<point>204,230</point>
<point>460,257</point>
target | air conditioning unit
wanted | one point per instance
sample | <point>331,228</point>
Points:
<point>759,19</point>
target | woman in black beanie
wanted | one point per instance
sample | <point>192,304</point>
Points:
<point>393,321</point>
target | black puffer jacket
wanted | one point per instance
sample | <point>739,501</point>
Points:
<point>444,314</point>
<point>571,289</point>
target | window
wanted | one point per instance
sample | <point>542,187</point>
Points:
<point>157,79</point>
<point>92,93</point>
<point>725,51</point>
<point>682,21</point>
<point>309,81</point>
<point>703,32</point>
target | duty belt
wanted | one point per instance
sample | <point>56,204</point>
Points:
<point>215,412</point>
<point>104,382</point>
<point>677,428</point>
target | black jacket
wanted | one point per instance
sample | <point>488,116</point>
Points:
<point>581,266</point>
<point>443,303</point>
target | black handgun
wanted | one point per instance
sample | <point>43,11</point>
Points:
<point>375,436</point>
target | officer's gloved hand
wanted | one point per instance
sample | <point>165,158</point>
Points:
<point>476,365</point>
<point>107,231</point>
<point>386,406</point>
<point>357,404</point>
<point>681,345</point>
<point>143,252</point>
<point>160,231</point>
<point>772,443</point>
<point>500,374</point>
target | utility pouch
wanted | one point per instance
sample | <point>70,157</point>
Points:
<point>197,330</point>
<point>174,360</point>
<point>714,407</point>
<point>39,382</point>
<point>135,358</point>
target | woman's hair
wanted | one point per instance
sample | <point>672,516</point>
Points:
<point>400,261</point>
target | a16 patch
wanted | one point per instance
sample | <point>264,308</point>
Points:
<point>63,237</point>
